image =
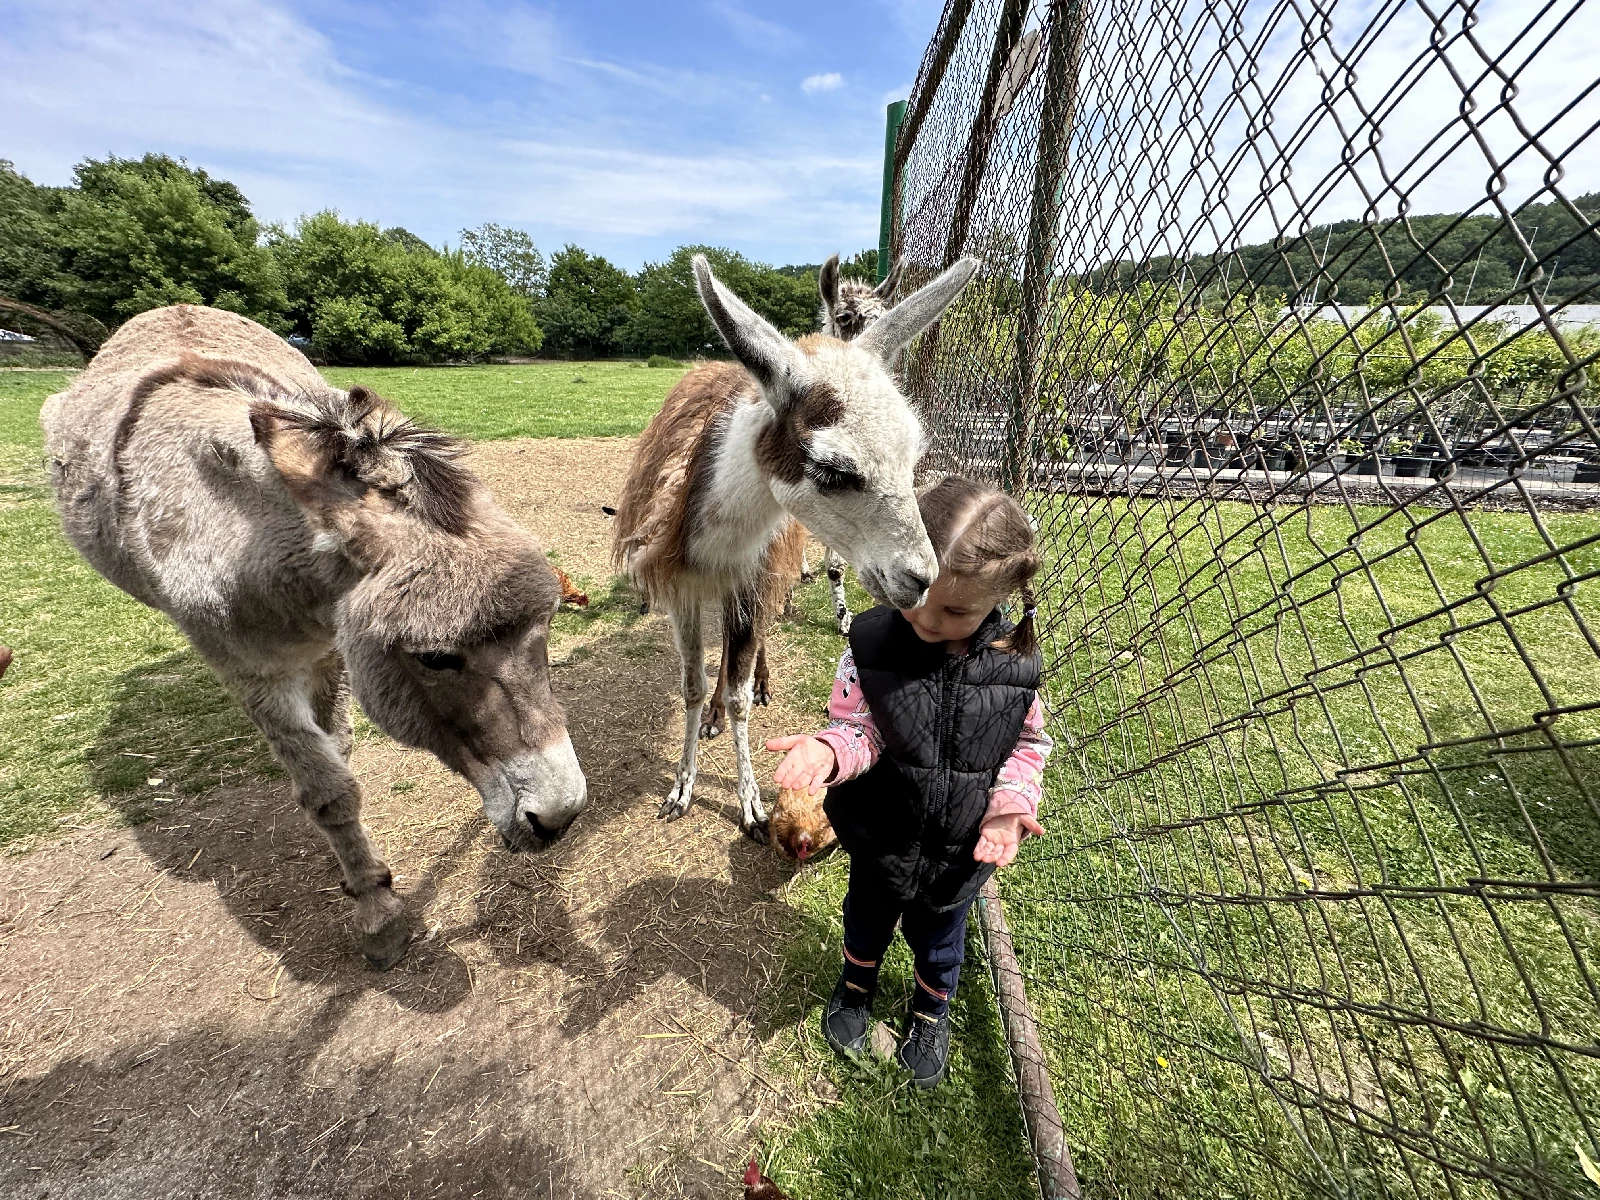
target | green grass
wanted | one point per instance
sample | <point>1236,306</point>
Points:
<point>577,399</point>
<point>1252,935</point>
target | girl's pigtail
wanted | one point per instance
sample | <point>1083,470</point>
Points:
<point>1024,639</point>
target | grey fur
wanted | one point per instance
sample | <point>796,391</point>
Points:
<point>309,541</point>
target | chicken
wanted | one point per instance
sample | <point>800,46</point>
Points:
<point>798,825</point>
<point>569,590</point>
<point>758,1187</point>
<point>5,658</point>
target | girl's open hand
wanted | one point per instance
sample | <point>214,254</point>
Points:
<point>808,764</point>
<point>1000,836</point>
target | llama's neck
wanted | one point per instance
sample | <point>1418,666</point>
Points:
<point>739,514</point>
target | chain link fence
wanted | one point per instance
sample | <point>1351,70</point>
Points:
<point>1284,335</point>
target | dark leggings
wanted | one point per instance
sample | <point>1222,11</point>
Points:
<point>938,940</point>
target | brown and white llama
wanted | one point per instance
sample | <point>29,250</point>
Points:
<point>849,308</point>
<point>811,432</point>
<point>310,542</point>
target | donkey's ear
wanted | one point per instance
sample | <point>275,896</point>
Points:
<point>765,352</point>
<point>308,463</point>
<point>890,281</point>
<point>917,311</point>
<point>828,285</point>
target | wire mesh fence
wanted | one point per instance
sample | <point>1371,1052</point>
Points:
<point>1284,335</point>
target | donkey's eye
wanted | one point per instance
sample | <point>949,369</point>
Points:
<point>440,660</point>
<point>830,477</point>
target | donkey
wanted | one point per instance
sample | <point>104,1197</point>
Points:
<point>310,542</point>
<point>811,432</point>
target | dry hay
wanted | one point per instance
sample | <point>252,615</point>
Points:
<point>185,1012</point>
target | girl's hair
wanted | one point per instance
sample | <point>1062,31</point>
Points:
<point>983,535</point>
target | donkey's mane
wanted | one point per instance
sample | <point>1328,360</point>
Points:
<point>365,434</point>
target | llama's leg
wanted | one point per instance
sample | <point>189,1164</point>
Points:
<point>715,719</point>
<point>323,786</point>
<point>686,632</point>
<point>805,565</point>
<point>761,692</point>
<point>330,701</point>
<point>744,640</point>
<point>841,610</point>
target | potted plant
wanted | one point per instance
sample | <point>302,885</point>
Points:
<point>1407,464</point>
<point>1368,460</point>
<point>1588,471</point>
<point>1349,450</point>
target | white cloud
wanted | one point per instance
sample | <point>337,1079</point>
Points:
<point>247,90</point>
<point>756,32</point>
<point>813,84</point>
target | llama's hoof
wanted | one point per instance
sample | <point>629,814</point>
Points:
<point>675,805</point>
<point>762,694</point>
<point>756,831</point>
<point>388,945</point>
<point>712,725</point>
<point>844,622</point>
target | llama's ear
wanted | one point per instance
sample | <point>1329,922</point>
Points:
<point>917,311</point>
<point>890,281</point>
<point>765,352</point>
<point>828,286</point>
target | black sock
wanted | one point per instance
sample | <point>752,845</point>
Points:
<point>860,977</point>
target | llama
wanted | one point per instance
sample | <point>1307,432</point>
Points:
<point>811,432</point>
<point>309,543</point>
<point>849,308</point>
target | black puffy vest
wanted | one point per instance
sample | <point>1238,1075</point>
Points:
<point>948,726</point>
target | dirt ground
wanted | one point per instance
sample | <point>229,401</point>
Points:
<point>185,1013</point>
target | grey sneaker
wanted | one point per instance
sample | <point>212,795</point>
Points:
<point>847,1018</point>
<point>925,1050</point>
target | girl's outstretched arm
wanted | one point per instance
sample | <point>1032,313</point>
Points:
<point>1013,811</point>
<point>851,734</point>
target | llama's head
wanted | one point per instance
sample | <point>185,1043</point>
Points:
<point>446,623</point>
<point>850,306</point>
<point>841,446</point>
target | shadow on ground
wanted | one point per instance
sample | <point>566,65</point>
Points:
<point>263,1117</point>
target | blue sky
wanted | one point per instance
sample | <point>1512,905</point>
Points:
<point>627,127</point>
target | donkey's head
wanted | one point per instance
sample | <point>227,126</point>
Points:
<point>445,629</point>
<point>850,306</point>
<point>840,450</point>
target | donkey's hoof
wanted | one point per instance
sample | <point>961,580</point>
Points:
<point>388,945</point>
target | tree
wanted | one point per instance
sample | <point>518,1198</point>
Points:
<point>30,265</point>
<point>671,320</point>
<point>138,234</point>
<point>366,296</point>
<point>510,254</point>
<point>588,300</point>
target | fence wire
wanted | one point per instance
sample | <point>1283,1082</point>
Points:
<point>1283,337</point>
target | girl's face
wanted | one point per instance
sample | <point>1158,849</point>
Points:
<point>954,609</point>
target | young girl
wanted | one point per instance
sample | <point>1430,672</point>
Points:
<point>933,760</point>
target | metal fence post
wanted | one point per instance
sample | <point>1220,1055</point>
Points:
<point>1065,33</point>
<point>891,134</point>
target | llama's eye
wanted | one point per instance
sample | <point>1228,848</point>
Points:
<point>832,478</point>
<point>440,660</point>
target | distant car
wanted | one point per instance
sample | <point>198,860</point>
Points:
<point>8,335</point>
<point>302,344</point>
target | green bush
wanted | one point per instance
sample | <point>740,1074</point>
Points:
<point>587,301</point>
<point>366,296</point>
<point>137,234</point>
<point>661,360</point>
<point>670,320</point>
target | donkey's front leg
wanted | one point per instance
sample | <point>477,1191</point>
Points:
<point>743,645</point>
<point>285,712</point>
<point>691,651</point>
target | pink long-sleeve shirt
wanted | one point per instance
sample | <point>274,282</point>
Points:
<point>856,742</point>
